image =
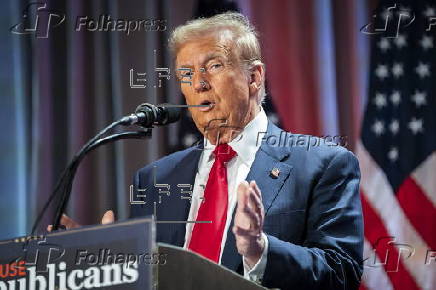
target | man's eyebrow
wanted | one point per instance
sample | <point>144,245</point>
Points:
<point>213,55</point>
<point>207,58</point>
<point>185,66</point>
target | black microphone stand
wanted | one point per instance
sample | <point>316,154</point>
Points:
<point>64,184</point>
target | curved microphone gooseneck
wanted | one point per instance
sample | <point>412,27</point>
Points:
<point>146,115</point>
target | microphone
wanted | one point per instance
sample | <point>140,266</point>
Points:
<point>147,115</point>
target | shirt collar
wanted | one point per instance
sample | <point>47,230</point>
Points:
<point>246,143</point>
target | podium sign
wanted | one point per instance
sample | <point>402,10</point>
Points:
<point>116,256</point>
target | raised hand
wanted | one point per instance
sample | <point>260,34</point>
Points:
<point>248,224</point>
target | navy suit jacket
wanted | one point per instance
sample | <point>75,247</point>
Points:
<point>313,216</point>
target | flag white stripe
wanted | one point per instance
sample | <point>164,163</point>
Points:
<point>379,193</point>
<point>425,177</point>
<point>374,278</point>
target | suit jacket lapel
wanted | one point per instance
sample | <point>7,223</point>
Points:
<point>268,158</point>
<point>185,173</point>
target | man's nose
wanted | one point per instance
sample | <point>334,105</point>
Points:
<point>200,82</point>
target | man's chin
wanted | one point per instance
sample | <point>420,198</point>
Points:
<point>219,135</point>
<point>210,122</point>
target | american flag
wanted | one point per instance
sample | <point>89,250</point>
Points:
<point>397,153</point>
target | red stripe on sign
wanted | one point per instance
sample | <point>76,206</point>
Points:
<point>418,209</point>
<point>385,248</point>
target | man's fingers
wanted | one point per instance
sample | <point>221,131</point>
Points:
<point>256,188</point>
<point>253,217</point>
<point>257,199</point>
<point>244,232</point>
<point>50,228</point>
<point>108,217</point>
<point>249,203</point>
<point>68,222</point>
<point>256,203</point>
<point>254,198</point>
<point>242,196</point>
<point>237,230</point>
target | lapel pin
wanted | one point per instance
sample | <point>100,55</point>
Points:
<point>275,173</point>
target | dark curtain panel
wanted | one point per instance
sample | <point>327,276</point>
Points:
<point>64,88</point>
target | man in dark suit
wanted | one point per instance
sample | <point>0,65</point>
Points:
<point>279,208</point>
<point>281,213</point>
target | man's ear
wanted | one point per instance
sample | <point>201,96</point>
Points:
<point>256,76</point>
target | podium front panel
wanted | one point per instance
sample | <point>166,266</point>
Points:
<point>116,256</point>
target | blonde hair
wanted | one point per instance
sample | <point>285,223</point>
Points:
<point>244,38</point>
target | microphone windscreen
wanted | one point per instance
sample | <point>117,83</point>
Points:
<point>172,114</point>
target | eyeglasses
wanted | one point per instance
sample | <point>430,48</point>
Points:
<point>213,67</point>
<point>185,74</point>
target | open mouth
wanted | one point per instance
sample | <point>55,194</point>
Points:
<point>207,103</point>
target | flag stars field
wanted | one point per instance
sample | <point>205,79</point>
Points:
<point>429,11</point>
<point>423,70</point>
<point>380,100</point>
<point>396,98</point>
<point>393,154</point>
<point>384,44</point>
<point>397,70</point>
<point>378,127</point>
<point>419,98</point>
<point>400,41</point>
<point>382,71</point>
<point>426,42</point>
<point>416,126</point>
<point>394,126</point>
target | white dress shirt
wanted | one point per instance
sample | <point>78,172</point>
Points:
<point>245,145</point>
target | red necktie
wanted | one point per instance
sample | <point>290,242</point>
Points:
<point>206,237</point>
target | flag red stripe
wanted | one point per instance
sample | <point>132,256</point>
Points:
<point>375,230</point>
<point>418,209</point>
